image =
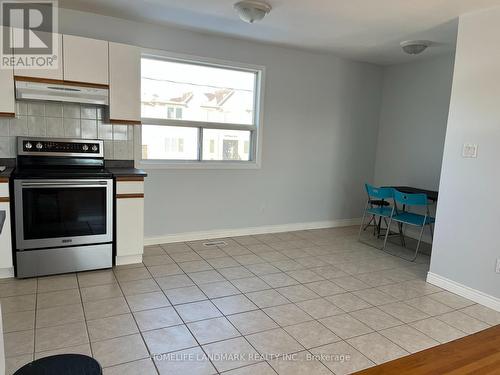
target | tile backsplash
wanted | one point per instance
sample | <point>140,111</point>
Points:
<point>65,120</point>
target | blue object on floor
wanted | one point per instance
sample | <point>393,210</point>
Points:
<point>376,206</point>
<point>62,364</point>
<point>403,217</point>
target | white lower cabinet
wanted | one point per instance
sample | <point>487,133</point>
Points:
<point>129,222</point>
<point>6,265</point>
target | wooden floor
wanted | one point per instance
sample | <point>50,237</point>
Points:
<point>475,354</point>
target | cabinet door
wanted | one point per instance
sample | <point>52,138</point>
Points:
<point>56,73</point>
<point>5,236</point>
<point>129,229</point>
<point>7,99</point>
<point>85,60</point>
<point>124,83</point>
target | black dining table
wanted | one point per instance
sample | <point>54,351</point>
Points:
<point>431,194</point>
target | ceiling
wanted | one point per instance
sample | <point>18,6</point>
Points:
<point>364,30</point>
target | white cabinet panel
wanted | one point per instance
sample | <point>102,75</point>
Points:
<point>85,60</point>
<point>129,228</point>
<point>129,221</point>
<point>46,73</point>
<point>5,242</point>
<point>4,189</point>
<point>7,101</point>
<point>124,83</point>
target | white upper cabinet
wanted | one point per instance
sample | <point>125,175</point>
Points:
<point>124,83</point>
<point>56,73</point>
<point>85,60</point>
<point>7,101</point>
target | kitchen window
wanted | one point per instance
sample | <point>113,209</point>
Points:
<point>198,113</point>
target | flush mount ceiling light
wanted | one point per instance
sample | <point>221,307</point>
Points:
<point>414,47</point>
<point>252,10</point>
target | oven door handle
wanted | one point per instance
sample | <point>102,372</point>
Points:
<point>63,184</point>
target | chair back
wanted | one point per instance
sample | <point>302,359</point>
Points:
<point>378,192</point>
<point>410,199</point>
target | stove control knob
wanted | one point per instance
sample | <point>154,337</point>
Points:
<point>94,148</point>
<point>85,147</point>
<point>28,146</point>
<point>39,146</point>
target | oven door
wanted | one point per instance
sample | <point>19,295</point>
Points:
<point>58,213</point>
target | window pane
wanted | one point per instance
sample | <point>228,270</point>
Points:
<point>183,91</point>
<point>169,142</point>
<point>226,144</point>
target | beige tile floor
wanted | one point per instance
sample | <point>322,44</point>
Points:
<point>308,302</point>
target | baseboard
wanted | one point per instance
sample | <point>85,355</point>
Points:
<point>464,291</point>
<point>129,259</point>
<point>6,272</point>
<point>221,233</point>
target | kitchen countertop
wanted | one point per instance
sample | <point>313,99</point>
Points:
<point>127,172</point>
<point>116,171</point>
<point>5,175</point>
<point>124,168</point>
<point>119,168</point>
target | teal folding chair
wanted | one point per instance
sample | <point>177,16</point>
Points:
<point>377,205</point>
<point>403,216</point>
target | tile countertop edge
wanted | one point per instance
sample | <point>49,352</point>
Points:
<point>5,175</point>
<point>10,163</point>
<point>123,168</point>
<point>127,172</point>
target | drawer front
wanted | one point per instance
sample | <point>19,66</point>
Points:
<point>4,190</point>
<point>130,187</point>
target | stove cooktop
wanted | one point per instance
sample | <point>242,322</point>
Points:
<point>40,173</point>
<point>39,158</point>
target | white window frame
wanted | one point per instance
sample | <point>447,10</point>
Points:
<point>256,129</point>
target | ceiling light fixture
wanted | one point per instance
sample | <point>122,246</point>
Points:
<point>252,10</point>
<point>414,47</point>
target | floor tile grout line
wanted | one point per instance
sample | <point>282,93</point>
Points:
<point>34,323</point>
<point>185,324</point>
<point>190,331</point>
<point>137,325</point>
<point>84,315</point>
<point>223,315</point>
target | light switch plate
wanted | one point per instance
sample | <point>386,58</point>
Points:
<point>469,150</point>
<point>497,268</point>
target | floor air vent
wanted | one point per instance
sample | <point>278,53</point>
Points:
<point>214,243</point>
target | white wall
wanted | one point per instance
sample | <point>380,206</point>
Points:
<point>320,129</point>
<point>468,214</point>
<point>413,117</point>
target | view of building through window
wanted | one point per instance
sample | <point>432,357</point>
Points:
<point>185,109</point>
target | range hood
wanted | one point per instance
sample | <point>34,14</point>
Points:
<point>61,92</point>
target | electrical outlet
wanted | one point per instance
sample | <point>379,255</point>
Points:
<point>497,269</point>
<point>469,150</point>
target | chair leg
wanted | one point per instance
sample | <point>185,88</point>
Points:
<point>418,243</point>
<point>387,233</point>
<point>378,226</point>
<point>362,224</point>
<point>401,234</point>
<point>369,222</point>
